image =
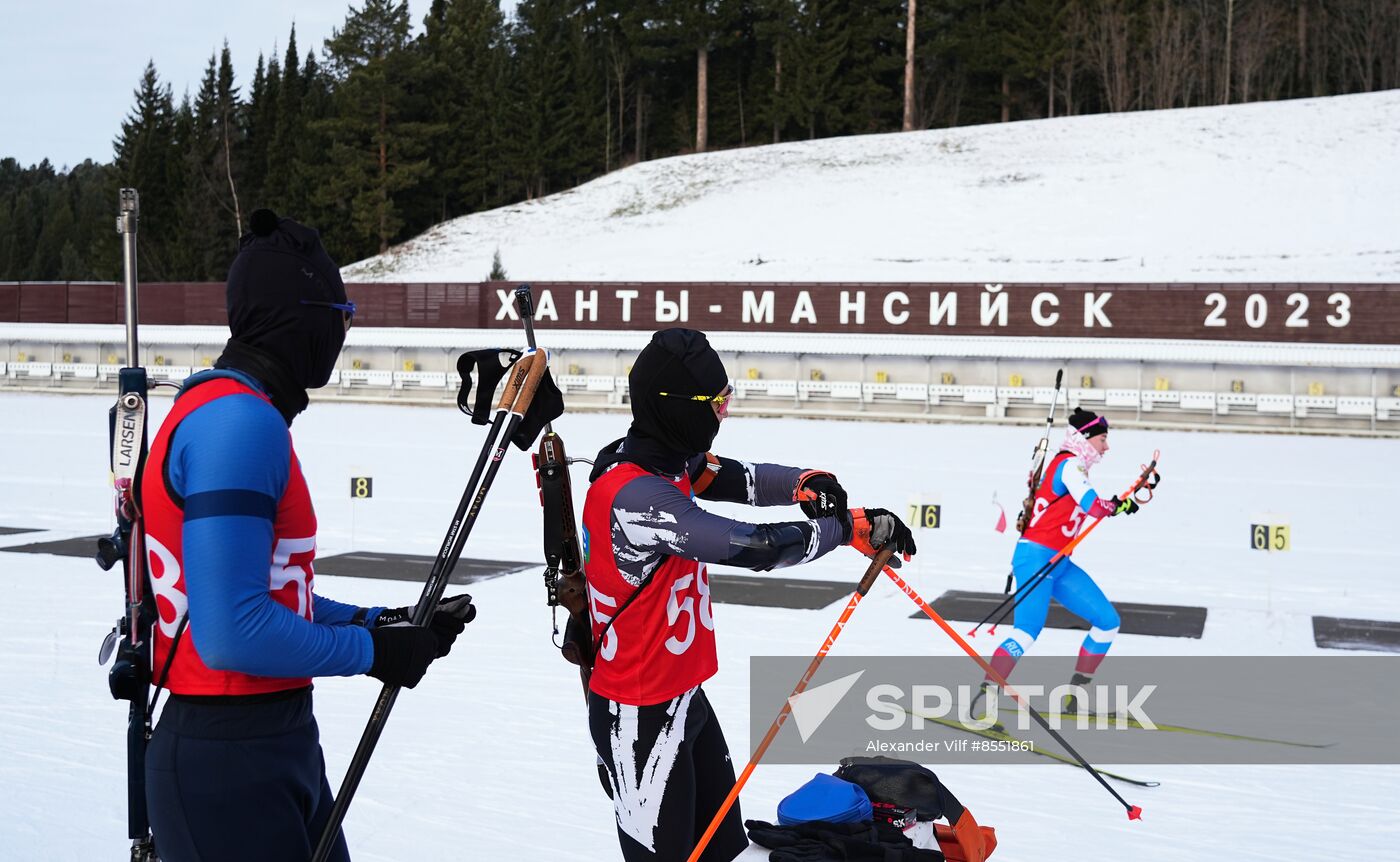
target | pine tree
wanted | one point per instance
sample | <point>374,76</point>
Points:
<point>465,60</point>
<point>312,144</point>
<point>542,120</point>
<point>199,210</point>
<point>378,153</point>
<point>284,187</point>
<point>145,150</point>
<point>260,120</point>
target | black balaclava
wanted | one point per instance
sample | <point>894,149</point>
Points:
<point>1088,423</point>
<point>288,346</point>
<point>668,430</point>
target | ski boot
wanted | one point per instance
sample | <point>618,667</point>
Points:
<point>1070,705</point>
<point>977,707</point>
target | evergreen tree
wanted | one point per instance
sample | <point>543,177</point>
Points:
<point>284,189</point>
<point>465,57</point>
<point>378,154</point>
<point>260,120</point>
<point>145,151</point>
<point>542,121</point>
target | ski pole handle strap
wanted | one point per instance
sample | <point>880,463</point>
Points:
<point>1146,482</point>
<point>877,565</point>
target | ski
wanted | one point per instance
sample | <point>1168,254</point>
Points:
<point>1003,736</point>
<point>1134,724</point>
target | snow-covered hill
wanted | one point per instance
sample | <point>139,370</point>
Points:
<point>1282,191</point>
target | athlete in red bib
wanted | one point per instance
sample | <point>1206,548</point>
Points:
<point>646,544</point>
<point>1063,502</point>
<point>234,770</point>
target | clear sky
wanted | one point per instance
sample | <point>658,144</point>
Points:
<point>68,68</point>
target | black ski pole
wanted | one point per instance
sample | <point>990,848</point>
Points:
<point>515,401</point>
<point>1014,599</point>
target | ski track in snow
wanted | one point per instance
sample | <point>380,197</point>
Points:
<point>490,757</point>
<point>1301,190</point>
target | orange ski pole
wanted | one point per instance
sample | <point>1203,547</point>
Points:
<point>1134,812</point>
<point>862,588</point>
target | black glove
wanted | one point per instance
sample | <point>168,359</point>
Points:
<point>820,841</point>
<point>1124,507</point>
<point>448,621</point>
<point>773,836</point>
<point>402,654</point>
<point>820,495</point>
<point>874,529</point>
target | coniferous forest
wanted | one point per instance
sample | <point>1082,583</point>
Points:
<point>394,125</point>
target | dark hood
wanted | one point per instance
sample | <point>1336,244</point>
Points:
<point>279,264</point>
<point>682,363</point>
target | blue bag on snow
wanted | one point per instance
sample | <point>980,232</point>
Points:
<point>825,797</point>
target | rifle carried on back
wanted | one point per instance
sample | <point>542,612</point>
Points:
<point>1023,520</point>
<point>563,574</point>
<point>130,676</point>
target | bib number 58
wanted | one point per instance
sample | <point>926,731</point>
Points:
<point>682,603</point>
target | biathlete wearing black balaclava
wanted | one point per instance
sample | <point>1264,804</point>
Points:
<point>647,545</point>
<point>275,335</point>
<point>669,430</point>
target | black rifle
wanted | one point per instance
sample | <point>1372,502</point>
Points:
<point>130,677</point>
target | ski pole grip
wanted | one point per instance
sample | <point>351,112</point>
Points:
<point>515,382</point>
<point>1059,376</point>
<point>877,565</point>
<point>538,364</point>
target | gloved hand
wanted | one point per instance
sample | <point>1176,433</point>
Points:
<point>873,529</point>
<point>402,653</point>
<point>1124,507</point>
<point>820,495</point>
<point>448,621</point>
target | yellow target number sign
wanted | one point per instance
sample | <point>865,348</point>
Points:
<point>1269,537</point>
<point>929,516</point>
<point>361,487</point>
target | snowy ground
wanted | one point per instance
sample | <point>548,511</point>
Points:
<point>1272,191</point>
<point>489,758</point>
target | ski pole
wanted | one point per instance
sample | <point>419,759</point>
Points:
<point>515,400</point>
<point>525,301</point>
<point>1144,480</point>
<point>873,571</point>
<point>1134,812</point>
